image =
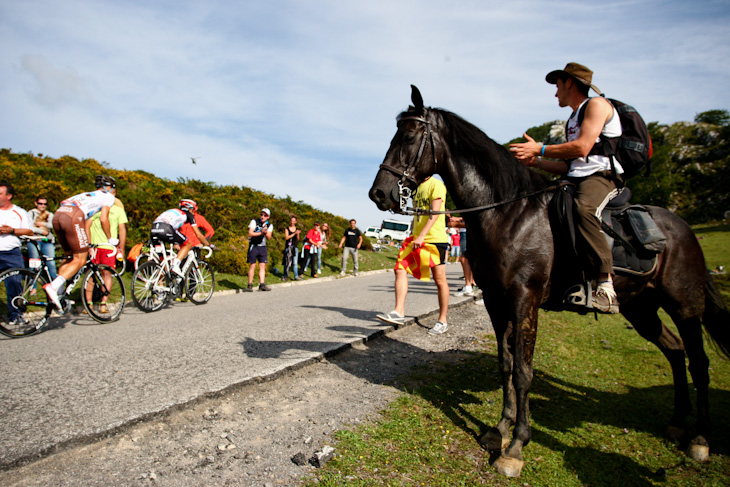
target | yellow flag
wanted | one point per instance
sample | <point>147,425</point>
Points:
<point>419,261</point>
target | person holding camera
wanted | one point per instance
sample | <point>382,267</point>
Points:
<point>259,231</point>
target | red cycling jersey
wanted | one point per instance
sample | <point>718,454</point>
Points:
<point>203,225</point>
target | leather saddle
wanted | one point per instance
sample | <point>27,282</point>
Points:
<point>634,237</point>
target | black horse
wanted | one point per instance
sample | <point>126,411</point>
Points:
<point>512,253</point>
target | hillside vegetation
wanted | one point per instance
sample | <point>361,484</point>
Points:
<point>690,172</point>
<point>228,208</point>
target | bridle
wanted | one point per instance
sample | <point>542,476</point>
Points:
<point>406,175</point>
<point>404,193</point>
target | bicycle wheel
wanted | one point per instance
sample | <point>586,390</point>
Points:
<point>30,309</point>
<point>107,303</point>
<point>141,259</point>
<point>150,287</point>
<point>200,283</point>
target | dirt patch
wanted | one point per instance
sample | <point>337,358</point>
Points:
<point>251,435</point>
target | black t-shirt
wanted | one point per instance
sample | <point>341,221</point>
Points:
<point>352,237</point>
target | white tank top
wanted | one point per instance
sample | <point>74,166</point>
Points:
<point>585,166</point>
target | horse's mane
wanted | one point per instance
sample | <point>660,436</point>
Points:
<point>506,176</point>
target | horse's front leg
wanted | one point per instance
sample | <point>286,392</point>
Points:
<point>510,462</point>
<point>498,437</point>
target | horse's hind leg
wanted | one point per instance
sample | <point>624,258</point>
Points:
<point>643,316</point>
<point>690,330</point>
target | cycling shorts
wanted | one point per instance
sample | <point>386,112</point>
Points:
<point>68,223</point>
<point>165,232</point>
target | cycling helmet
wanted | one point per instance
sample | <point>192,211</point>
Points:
<point>188,205</point>
<point>100,181</point>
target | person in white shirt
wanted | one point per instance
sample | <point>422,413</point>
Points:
<point>14,221</point>
<point>583,159</point>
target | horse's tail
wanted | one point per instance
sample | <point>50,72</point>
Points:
<point>716,317</point>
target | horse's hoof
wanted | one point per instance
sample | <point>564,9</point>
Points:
<point>508,466</point>
<point>493,441</point>
<point>675,433</point>
<point>699,450</point>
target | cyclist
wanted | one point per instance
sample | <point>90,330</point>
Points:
<point>71,223</point>
<point>203,225</point>
<point>166,228</point>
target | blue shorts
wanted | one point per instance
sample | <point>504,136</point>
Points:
<point>462,244</point>
<point>257,252</point>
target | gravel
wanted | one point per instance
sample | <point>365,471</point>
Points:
<point>264,434</point>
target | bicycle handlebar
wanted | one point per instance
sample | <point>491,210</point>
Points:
<point>208,248</point>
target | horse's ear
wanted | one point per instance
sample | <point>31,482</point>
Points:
<point>416,98</point>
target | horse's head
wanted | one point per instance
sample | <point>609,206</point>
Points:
<point>410,159</point>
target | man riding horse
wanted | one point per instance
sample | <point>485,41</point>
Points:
<point>584,166</point>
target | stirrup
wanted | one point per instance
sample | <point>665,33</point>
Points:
<point>578,297</point>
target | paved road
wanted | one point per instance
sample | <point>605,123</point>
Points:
<point>80,379</point>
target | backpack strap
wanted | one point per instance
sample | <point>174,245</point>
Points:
<point>607,145</point>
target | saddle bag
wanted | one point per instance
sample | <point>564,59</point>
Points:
<point>646,231</point>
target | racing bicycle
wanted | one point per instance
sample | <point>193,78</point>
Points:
<point>154,284</point>
<point>22,289</point>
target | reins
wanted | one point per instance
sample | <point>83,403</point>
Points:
<point>418,211</point>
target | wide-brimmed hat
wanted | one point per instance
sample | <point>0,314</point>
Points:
<point>576,71</point>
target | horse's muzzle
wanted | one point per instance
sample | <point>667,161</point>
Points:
<point>384,200</point>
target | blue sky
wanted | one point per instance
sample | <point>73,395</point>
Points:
<point>299,98</point>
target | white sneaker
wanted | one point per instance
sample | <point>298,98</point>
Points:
<point>52,296</point>
<point>342,273</point>
<point>393,317</point>
<point>176,270</point>
<point>438,329</point>
<point>479,301</point>
<point>465,291</point>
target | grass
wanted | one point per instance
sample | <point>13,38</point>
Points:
<point>600,400</point>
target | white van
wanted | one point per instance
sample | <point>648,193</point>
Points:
<point>394,230</point>
<point>372,232</point>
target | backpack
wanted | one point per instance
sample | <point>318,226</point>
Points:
<point>134,252</point>
<point>633,148</point>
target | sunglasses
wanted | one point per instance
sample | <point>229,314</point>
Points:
<point>42,204</point>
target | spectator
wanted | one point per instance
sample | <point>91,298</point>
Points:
<point>352,240</point>
<point>291,249</point>
<point>325,232</point>
<point>259,231</point>
<point>14,221</point>
<point>41,222</point>
<point>430,243</point>
<point>311,244</point>
<point>469,284</point>
<point>455,243</point>
<point>104,255</point>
